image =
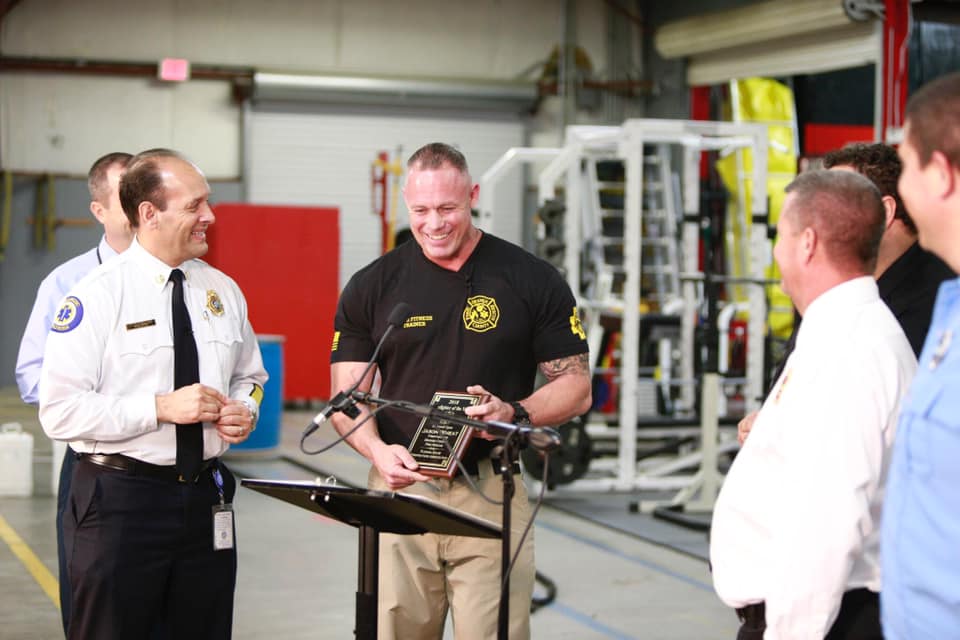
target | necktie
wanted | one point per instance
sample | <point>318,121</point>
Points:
<point>186,371</point>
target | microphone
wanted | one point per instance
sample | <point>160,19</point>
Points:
<point>344,400</point>
<point>400,313</point>
<point>545,439</point>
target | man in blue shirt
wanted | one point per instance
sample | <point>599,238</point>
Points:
<point>102,180</point>
<point>920,537</point>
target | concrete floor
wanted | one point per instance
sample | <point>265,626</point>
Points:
<point>298,571</point>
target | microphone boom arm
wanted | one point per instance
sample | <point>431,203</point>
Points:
<point>545,439</point>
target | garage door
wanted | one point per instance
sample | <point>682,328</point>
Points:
<point>316,154</point>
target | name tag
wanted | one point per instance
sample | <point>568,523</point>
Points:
<point>222,527</point>
<point>141,324</point>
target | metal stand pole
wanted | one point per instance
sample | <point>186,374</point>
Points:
<point>365,626</point>
<point>509,489</point>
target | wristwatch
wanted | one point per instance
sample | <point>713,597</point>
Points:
<point>520,415</point>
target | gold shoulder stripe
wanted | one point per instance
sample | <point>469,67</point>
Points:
<point>257,394</point>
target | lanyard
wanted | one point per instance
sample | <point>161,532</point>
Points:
<point>218,480</point>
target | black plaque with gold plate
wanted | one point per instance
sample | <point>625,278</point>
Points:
<point>438,442</point>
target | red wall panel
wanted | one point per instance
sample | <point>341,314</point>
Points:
<point>286,260</point>
<point>819,138</point>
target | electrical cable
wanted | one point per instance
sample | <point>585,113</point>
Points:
<point>344,436</point>
<point>526,530</point>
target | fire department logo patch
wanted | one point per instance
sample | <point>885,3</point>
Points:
<point>575,326</point>
<point>481,314</point>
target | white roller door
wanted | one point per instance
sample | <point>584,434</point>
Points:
<point>312,154</point>
<point>774,39</point>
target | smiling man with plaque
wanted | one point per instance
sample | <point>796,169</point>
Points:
<point>485,316</point>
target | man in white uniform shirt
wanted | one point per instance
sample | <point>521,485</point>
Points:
<point>149,527</point>
<point>794,543</point>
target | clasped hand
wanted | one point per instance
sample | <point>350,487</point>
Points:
<point>200,403</point>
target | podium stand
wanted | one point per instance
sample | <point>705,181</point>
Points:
<point>373,513</point>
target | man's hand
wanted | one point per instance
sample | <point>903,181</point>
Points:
<point>744,426</point>
<point>396,466</point>
<point>490,408</point>
<point>193,403</point>
<point>235,423</point>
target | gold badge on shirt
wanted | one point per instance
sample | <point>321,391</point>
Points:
<point>481,314</point>
<point>214,303</point>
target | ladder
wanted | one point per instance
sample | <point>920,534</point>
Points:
<point>604,273</point>
<point>603,228</point>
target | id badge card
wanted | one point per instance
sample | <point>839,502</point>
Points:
<point>222,527</point>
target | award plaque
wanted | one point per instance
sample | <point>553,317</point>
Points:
<point>438,442</point>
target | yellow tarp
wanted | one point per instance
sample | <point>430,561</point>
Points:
<point>760,100</point>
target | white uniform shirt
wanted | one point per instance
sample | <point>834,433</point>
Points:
<point>52,290</point>
<point>797,521</point>
<point>110,353</point>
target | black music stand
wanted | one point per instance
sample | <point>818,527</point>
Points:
<point>373,513</point>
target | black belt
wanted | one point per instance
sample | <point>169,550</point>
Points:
<point>753,614</point>
<point>858,617</point>
<point>134,467</point>
<point>470,467</point>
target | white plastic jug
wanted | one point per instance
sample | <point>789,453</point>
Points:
<point>16,460</point>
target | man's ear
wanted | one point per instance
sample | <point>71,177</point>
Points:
<point>808,244</point>
<point>148,215</point>
<point>97,210</point>
<point>474,195</point>
<point>890,211</point>
<point>944,173</point>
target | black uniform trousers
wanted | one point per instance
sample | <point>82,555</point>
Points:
<point>140,553</point>
<point>63,495</point>
<point>858,618</point>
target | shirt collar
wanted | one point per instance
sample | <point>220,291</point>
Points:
<point>949,291</point>
<point>903,267</point>
<point>846,295</point>
<point>105,251</point>
<point>157,270</point>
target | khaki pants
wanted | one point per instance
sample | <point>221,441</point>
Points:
<point>421,576</point>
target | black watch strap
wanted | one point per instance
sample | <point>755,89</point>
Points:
<point>520,415</point>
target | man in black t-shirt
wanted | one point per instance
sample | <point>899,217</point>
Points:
<point>485,316</point>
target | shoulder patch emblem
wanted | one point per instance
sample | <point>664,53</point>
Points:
<point>575,325</point>
<point>214,303</point>
<point>69,316</point>
<point>481,314</point>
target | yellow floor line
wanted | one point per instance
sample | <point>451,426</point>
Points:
<point>30,560</point>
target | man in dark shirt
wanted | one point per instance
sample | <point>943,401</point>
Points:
<point>908,277</point>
